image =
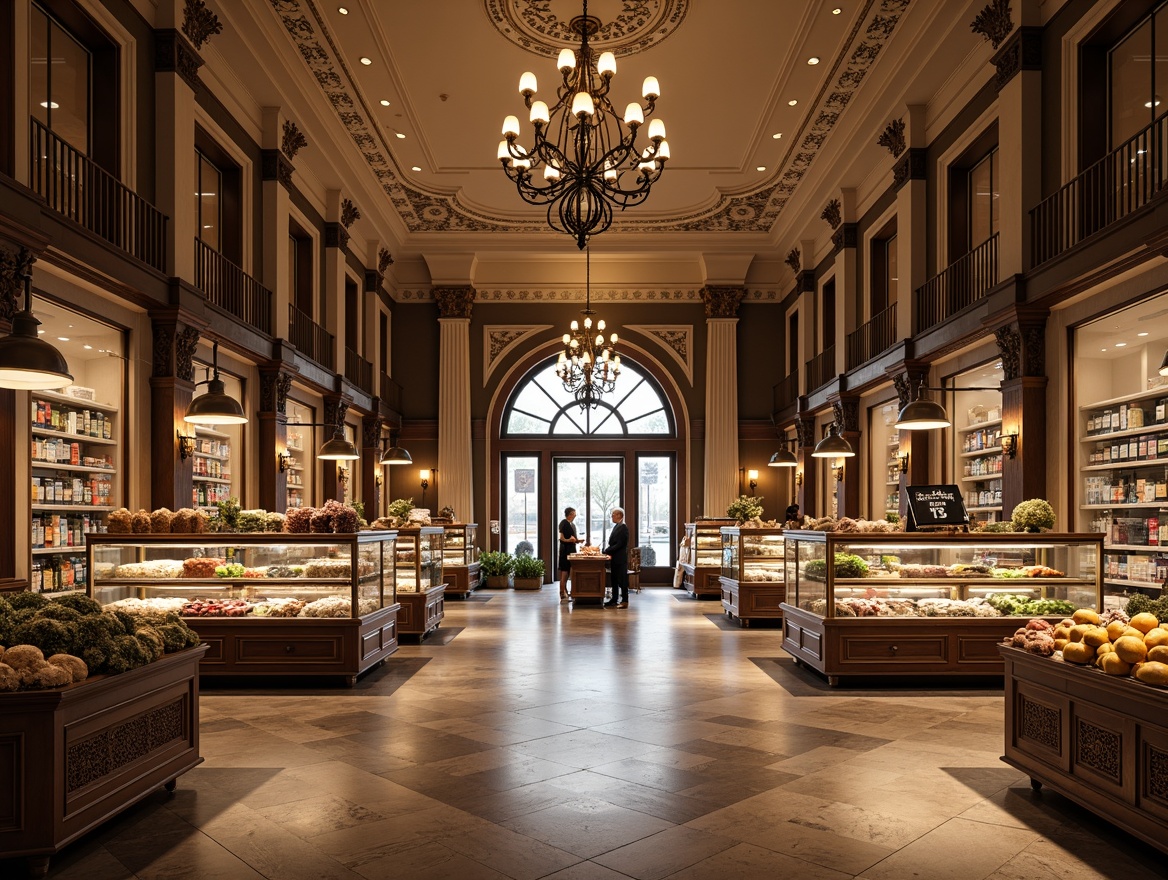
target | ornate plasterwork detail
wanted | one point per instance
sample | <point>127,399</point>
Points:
<point>846,411</point>
<point>832,215</point>
<point>542,28</point>
<point>14,265</point>
<point>903,386</point>
<point>274,165</point>
<point>293,140</point>
<point>384,260</point>
<point>434,211</point>
<point>576,294</point>
<point>454,302</point>
<point>993,22</point>
<point>912,166</point>
<point>722,302</point>
<point>336,236</point>
<point>677,339</point>
<point>335,409</point>
<point>371,431</point>
<point>185,344</point>
<point>350,213</point>
<point>892,138</point>
<point>163,348</point>
<point>847,236</point>
<point>1010,350</point>
<point>173,53</point>
<point>1022,51</point>
<point>283,386</point>
<point>499,340</point>
<point>200,23</point>
<point>268,380</point>
<point>793,260</point>
<point>805,432</point>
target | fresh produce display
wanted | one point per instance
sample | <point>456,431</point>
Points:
<point>1141,604</point>
<point>333,518</point>
<point>847,565</point>
<point>1034,515</point>
<point>745,507</point>
<point>997,605</point>
<point>1037,637</point>
<point>201,566</point>
<point>216,608</point>
<point>230,570</point>
<point>1009,604</point>
<point>278,607</point>
<point>847,524</point>
<point>161,568</point>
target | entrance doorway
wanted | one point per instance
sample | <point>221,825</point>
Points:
<point>594,486</point>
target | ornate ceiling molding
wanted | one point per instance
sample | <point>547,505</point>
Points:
<point>543,28</point>
<point>577,295</point>
<point>501,339</point>
<point>676,339</point>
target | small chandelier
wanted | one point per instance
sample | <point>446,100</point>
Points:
<point>588,366</point>
<point>588,153</point>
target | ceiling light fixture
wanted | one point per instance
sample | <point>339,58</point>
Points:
<point>922,414</point>
<point>27,362</point>
<point>342,10</point>
<point>216,407</point>
<point>784,457</point>
<point>833,445</point>
<point>792,102</point>
<point>400,135</point>
<point>338,448</point>
<point>1144,333</point>
<point>415,168</point>
<point>588,366</point>
<point>836,11</point>
<point>777,135</point>
<point>589,154</point>
<point>760,168</point>
<point>366,61</point>
<point>814,59</point>
<point>395,454</point>
<point>384,103</point>
<point>1164,365</point>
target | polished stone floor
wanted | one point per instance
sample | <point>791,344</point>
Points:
<point>547,741</point>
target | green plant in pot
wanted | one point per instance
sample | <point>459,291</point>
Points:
<point>745,507</point>
<point>528,573</point>
<point>496,567</point>
<point>1034,515</point>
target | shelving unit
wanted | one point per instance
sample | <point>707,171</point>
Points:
<point>298,478</point>
<point>981,466</point>
<point>892,501</point>
<point>210,468</point>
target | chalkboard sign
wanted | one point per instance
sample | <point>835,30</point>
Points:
<point>936,506</point>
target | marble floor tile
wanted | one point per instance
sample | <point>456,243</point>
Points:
<point>664,854</point>
<point>957,850</point>
<point>748,862</point>
<point>586,827</point>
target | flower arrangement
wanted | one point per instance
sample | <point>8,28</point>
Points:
<point>745,507</point>
<point>496,563</point>
<point>1034,515</point>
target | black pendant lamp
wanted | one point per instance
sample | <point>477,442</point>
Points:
<point>922,414</point>
<point>396,454</point>
<point>216,407</point>
<point>784,457</point>
<point>27,362</point>
<point>338,448</point>
<point>833,445</point>
<point>1164,365</point>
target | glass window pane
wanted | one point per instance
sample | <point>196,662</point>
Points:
<point>995,202</point>
<point>209,188</point>
<point>604,493</point>
<point>655,501</point>
<point>520,503</point>
<point>1132,101</point>
<point>38,73</point>
<point>980,202</point>
<point>521,423</point>
<point>892,269</point>
<point>650,423</point>
<point>69,89</point>
<point>534,400</point>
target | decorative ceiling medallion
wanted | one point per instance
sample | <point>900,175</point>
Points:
<point>623,27</point>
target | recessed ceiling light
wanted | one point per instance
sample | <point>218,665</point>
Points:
<point>62,338</point>
<point>342,10</point>
<point>792,102</point>
<point>1121,345</point>
<point>1103,349</point>
<point>40,333</point>
<point>814,59</point>
<point>366,61</point>
<point>415,168</point>
<point>88,347</point>
<point>836,11</point>
<point>399,135</point>
<point>384,103</point>
<point>760,168</point>
<point>1145,333</point>
<point>50,105</point>
<point>777,135</point>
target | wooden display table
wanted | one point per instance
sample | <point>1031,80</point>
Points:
<point>1100,740</point>
<point>752,600</point>
<point>461,580</point>
<point>702,581</point>
<point>422,612</point>
<point>588,577</point>
<point>74,757</point>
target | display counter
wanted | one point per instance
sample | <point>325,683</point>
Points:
<point>264,603</point>
<point>588,576</point>
<point>1099,740</point>
<point>418,574</point>
<point>460,559</point>
<point>701,562</point>
<point>927,604</point>
<point>753,578</point>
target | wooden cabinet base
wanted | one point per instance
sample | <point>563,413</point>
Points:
<point>589,580</point>
<point>332,646</point>
<point>702,581</point>
<point>920,646</point>
<point>72,758</point>
<point>461,580</point>
<point>421,612</point>
<point>752,601</point>
<point>1100,740</point>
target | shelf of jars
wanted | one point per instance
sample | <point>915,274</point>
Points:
<point>297,439</point>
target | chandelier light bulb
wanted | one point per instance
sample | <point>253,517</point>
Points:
<point>582,105</point>
<point>511,127</point>
<point>663,150</point>
<point>527,84</point>
<point>587,323</point>
<point>567,60</point>
<point>606,64</point>
<point>612,339</point>
<point>633,115</point>
<point>650,90</point>
<point>575,326</point>
<point>609,172</point>
<point>656,130</point>
<point>600,341</point>
<point>600,324</point>
<point>539,113</point>
<point>551,172</point>
<point>567,339</point>
<point>504,152</point>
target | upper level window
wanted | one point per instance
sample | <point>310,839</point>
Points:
<point>983,200</point>
<point>1138,78</point>
<point>540,405</point>
<point>218,198</point>
<point>208,202</point>
<point>885,274</point>
<point>59,77</point>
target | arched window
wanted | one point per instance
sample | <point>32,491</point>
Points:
<point>540,406</point>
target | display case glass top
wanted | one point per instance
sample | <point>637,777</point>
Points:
<point>418,556</point>
<point>458,546</point>
<point>703,542</point>
<point>751,555</point>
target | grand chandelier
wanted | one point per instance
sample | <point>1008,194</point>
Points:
<point>588,154</point>
<point>588,366</point>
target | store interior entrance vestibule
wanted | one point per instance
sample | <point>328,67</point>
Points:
<point>594,486</point>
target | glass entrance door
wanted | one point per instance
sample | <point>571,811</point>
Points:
<point>594,486</point>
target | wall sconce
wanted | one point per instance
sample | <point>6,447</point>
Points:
<point>903,459</point>
<point>283,458</point>
<point>426,474</point>
<point>186,446</point>
<point>752,475</point>
<point>798,478</point>
<point>377,479</point>
<point>1010,445</point>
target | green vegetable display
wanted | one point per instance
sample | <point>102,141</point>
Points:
<point>1141,604</point>
<point>400,508</point>
<point>1033,515</point>
<point>230,570</point>
<point>1014,605</point>
<point>847,565</point>
<point>745,507</point>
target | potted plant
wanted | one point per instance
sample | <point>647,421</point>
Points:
<point>744,508</point>
<point>496,566</point>
<point>529,573</point>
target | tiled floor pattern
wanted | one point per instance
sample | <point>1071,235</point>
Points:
<point>586,744</point>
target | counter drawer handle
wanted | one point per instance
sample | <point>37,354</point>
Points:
<point>288,649</point>
<point>892,648</point>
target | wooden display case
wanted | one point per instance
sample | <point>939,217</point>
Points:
<point>418,573</point>
<point>921,606</point>
<point>460,559</point>
<point>753,578</point>
<point>589,577</point>
<point>350,575</point>
<point>701,563</point>
<point>1100,740</point>
<point>75,757</point>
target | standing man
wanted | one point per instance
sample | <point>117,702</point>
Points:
<point>618,549</point>
<point>568,542</point>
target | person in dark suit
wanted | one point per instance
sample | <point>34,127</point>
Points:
<point>618,549</point>
<point>568,542</point>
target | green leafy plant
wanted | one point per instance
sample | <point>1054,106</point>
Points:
<point>529,567</point>
<point>229,512</point>
<point>745,507</point>
<point>400,508</point>
<point>847,565</point>
<point>496,563</point>
<point>1034,515</point>
<point>995,527</point>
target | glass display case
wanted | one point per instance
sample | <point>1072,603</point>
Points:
<point>418,576</point>
<point>895,603</point>
<point>460,559</point>
<point>268,604</point>
<point>753,576</point>
<point>702,557</point>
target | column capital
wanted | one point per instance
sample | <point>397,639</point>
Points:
<point>175,341</point>
<point>14,265</point>
<point>173,53</point>
<point>906,376</point>
<point>912,166</point>
<point>1021,51</point>
<point>722,302</point>
<point>275,383</point>
<point>845,409</point>
<point>454,302</point>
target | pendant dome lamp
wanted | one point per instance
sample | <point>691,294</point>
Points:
<point>833,445</point>
<point>1164,365</point>
<point>338,448</point>
<point>216,407</point>
<point>784,457</point>
<point>27,362</point>
<point>922,414</point>
<point>396,454</point>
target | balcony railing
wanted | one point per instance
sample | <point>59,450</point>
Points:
<point>872,338</point>
<point>92,197</point>
<point>232,289</point>
<point>310,338</point>
<point>391,392</point>
<point>1124,180</point>
<point>786,392</point>
<point>964,282</point>
<point>358,370</point>
<point>821,369</point>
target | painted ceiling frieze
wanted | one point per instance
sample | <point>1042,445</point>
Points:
<point>543,28</point>
<point>577,294</point>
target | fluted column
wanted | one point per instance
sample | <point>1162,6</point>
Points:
<point>721,462</point>
<point>455,485</point>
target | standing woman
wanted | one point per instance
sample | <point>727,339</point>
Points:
<point>568,542</point>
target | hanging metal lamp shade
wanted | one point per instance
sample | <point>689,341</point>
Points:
<point>783,458</point>
<point>396,455</point>
<point>27,362</point>
<point>1164,365</point>
<point>923,415</point>
<point>216,407</point>
<point>833,445</point>
<point>338,449</point>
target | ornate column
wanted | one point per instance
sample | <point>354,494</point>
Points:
<point>336,245</point>
<point>907,377</point>
<point>455,463</point>
<point>721,460</point>
<point>846,410</point>
<point>807,491</point>
<point>840,215</point>
<point>1022,344</point>
<point>371,467</point>
<point>282,141</point>
<point>905,139</point>
<point>172,385</point>
<point>272,436</point>
<point>335,407</point>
